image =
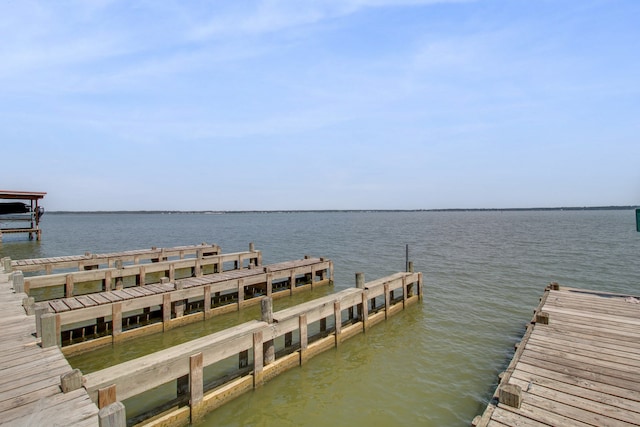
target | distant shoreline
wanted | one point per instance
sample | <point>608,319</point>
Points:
<point>212,212</point>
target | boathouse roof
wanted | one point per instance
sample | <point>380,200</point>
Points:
<point>22,195</point>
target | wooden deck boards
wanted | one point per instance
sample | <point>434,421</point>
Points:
<point>79,302</point>
<point>30,391</point>
<point>580,369</point>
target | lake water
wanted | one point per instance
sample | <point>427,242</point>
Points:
<point>435,364</point>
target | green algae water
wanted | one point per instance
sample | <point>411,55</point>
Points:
<point>435,364</point>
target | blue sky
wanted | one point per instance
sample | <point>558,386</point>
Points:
<point>354,104</point>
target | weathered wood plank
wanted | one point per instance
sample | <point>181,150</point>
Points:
<point>582,368</point>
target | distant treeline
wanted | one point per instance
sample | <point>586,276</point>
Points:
<point>568,208</point>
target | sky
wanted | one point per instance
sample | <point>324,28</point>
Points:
<point>320,104</point>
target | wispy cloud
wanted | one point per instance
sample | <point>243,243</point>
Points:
<point>274,15</point>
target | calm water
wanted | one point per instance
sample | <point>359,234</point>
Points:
<point>432,365</point>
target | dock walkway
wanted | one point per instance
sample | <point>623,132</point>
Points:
<point>578,364</point>
<point>30,392</point>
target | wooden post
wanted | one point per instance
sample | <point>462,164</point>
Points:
<point>267,309</point>
<point>240,293</point>
<point>106,396</point>
<point>360,280</point>
<point>142,277</point>
<point>312,276</point>
<point>542,317</point>
<point>113,415</point>
<point>119,266</point>
<point>29,305</point>
<point>71,381</point>
<point>267,316</point>
<point>292,282</point>
<point>337,315</point>
<point>407,258</point>
<point>510,395</point>
<point>304,338</point>
<point>258,365</point>
<point>50,336</point>
<point>6,263</point>
<point>197,269</point>
<point>207,301</point>
<point>39,311</point>
<point>68,288</point>
<point>106,285</point>
<point>405,291</point>
<point>166,310</point>
<point>116,319</point>
<point>269,283</point>
<point>364,310</point>
<point>17,279</point>
<point>196,387</point>
<point>387,300</point>
<point>251,247</point>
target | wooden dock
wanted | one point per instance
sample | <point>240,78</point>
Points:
<point>111,316</point>
<point>91,261</point>
<point>41,388</point>
<point>248,355</point>
<point>30,383</point>
<point>578,364</point>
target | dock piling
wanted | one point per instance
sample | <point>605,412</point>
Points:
<point>6,263</point>
<point>18,281</point>
<point>510,395</point>
<point>304,337</point>
<point>113,415</point>
<point>267,316</point>
<point>71,381</point>
<point>48,330</point>
<point>196,387</point>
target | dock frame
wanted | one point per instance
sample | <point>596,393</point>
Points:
<point>33,217</point>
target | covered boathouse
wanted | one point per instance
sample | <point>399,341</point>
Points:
<point>22,213</point>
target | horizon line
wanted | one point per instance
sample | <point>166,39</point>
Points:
<point>210,211</point>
